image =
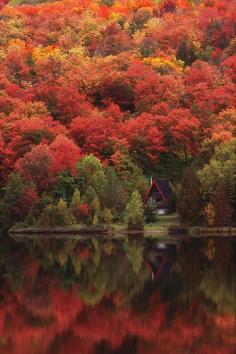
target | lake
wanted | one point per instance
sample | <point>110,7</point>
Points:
<point>118,296</point>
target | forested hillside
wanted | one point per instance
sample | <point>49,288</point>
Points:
<point>97,96</point>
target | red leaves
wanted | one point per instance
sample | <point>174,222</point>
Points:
<point>15,65</point>
<point>35,167</point>
<point>44,162</point>
<point>64,155</point>
<point>3,3</point>
<point>184,128</point>
<point>63,100</point>
<point>143,136</point>
<point>151,88</point>
<point>95,134</point>
<point>108,75</point>
<point>27,202</point>
<point>229,66</point>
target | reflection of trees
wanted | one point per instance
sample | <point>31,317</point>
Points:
<point>221,293</point>
<point>99,311</point>
<point>134,252</point>
<point>112,268</point>
<point>191,264</point>
<point>10,263</point>
<point>92,282</point>
<point>219,282</point>
<point>49,251</point>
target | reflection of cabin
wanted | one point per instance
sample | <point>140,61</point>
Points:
<point>158,260</point>
<point>161,258</point>
<point>159,191</point>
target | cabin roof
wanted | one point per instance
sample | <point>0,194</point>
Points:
<point>163,186</point>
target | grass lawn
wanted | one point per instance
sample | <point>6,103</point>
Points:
<point>162,222</point>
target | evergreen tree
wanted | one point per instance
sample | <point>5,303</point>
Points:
<point>133,216</point>
<point>189,201</point>
<point>186,52</point>
<point>14,189</point>
<point>65,187</point>
<point>111,194</point>
<point>13,192</point>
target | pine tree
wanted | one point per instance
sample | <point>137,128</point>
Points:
<point>189,201</point>
<point>133,216</point>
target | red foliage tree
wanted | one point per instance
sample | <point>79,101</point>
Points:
<point>64,155</point>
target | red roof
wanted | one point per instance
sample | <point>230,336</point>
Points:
<point>156,185</point>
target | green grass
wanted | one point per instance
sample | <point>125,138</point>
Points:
<point>163,221</point>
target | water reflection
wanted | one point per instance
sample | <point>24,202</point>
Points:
<point>117,296</point>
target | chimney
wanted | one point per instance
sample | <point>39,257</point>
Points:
<point>151,180</point>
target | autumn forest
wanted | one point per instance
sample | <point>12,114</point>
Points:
<point>96,97</point>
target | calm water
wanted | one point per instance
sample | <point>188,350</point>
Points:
<point>117,296</point>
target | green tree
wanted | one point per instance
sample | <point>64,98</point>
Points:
<point>65,187</point>
<point>91,173</point>
<point>63,213</point>
<point>221,167</point>
<point>90,195</point>
<point>56,215</point>
<point>189,198</point>
<point>91,198</point>
<point>133,216</point>
<point>13,192</point>
<point>75,201</point>
<point>132,177</point>
<point>111,193</point>
<point>115,196</point>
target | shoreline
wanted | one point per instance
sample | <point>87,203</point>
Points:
<point>99,231</point>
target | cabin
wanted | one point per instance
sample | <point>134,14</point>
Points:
<point>160,191</point>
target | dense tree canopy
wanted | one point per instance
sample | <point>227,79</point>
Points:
<point>137,80</point>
